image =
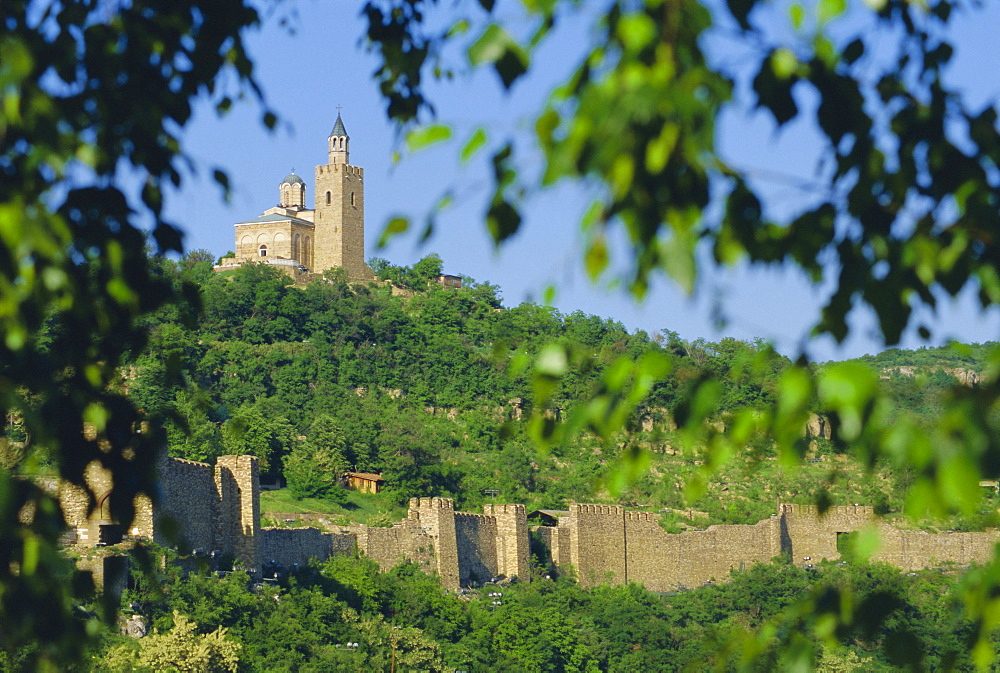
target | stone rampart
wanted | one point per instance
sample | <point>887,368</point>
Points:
<point>405,540</point>
<point>218,508</point>
<point>189,499</point>
<point>662,561</point>
<point>604,543</point>
<point>237,520</point>
<point>806,533</point>
<point>475,537</point>
<point>437,517</point>
<point>512,547</point>
<point>289,546</point>
<point>597,543</point>
<point>915,549</point>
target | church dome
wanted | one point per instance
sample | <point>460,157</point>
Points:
<point>293,179</point>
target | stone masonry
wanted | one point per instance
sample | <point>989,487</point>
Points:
<point>605,543</point>
<point>218,508</point>
<point>302,241</point>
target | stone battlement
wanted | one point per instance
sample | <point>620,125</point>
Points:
<point>512,509</point>
<point>641,516</point>
<point>340,168</point>
<point>218,508</point>
<point>182,463</point>
<point>603,545</point>
<point>864,511</point>
<point>432,503</point>
<point>615,510</point>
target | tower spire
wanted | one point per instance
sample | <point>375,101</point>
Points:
<point>338,144</point>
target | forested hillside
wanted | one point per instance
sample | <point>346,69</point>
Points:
<point>343,615</point>
<point>428,384</point>
<point>424,383</point>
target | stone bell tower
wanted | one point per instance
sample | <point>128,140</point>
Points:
<point>340,209</point>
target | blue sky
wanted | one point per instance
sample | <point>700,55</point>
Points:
<point>308,71</point>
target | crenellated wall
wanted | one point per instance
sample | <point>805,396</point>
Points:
<point>661,561</point>
<point>915,549</point>
<point>512,550</point>
<point>218,508</point>
<point>806,533</point>
<point>405,540</point>
<point>604,543</point>
<point>462,548</point>
<point>189,500</point>
<point>437,517</point>
<point>237,520</point>
<point>597,543</point>
<point>200,506</point>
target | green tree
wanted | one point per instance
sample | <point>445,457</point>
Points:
<point>75,278</point>
<point>180,649</point>
<point>254,432</point>
<point>314,467</point>
<point>903,214</point>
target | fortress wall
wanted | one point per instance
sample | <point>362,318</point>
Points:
<point>382,545</point>
<point>562,540</point>
<point>662,561</point>
<point>189,499</point>
<point>807,533</point>
<point>548,535</point>
<point>597,543</point>
<point>299,545</point>
<point>512,546</point>
<point>389,546</point>
<point>915,549</point>
<point>343,544</point>
<point>76,503</point>
<point>476,537</point>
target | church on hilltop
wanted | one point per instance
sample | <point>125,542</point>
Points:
<point>302,241</point>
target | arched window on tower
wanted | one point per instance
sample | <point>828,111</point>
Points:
<point>328,197</point>
<point>263,251</point>
<point>352,198</point>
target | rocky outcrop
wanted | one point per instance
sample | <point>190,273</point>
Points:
<point>966,377</point>
<point>818,427</point>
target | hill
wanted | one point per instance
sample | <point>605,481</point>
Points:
<point>425,383</point>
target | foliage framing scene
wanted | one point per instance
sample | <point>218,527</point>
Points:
<point>106,328</point>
